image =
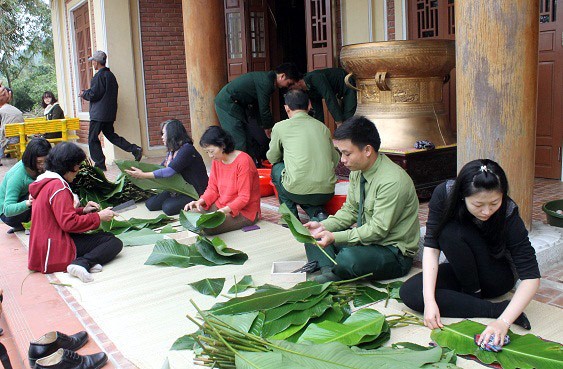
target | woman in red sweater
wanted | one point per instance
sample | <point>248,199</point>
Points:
<point>234,184</point>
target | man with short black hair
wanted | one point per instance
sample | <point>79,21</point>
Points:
<point>381,201</point>
<point>304,158</point>
<point>102,95</point>
<point>243,107</point>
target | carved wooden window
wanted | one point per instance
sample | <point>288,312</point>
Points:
<point>257,35</point>
<point>427,18</point>
<point>319,34</point>
<point>548,11</point>
<point>234,35</point>
<point>451,17</point>
<point>83,50</point>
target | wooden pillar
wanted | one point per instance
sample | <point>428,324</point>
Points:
<point>204,40</point>
<point>496,76</point>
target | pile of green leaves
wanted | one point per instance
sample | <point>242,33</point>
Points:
<point>91,184</point>
<point>197,222</point>
<point>289,314</point>
<point>176,183</point>
<point>526,352</point>
<point>214,286</point>
<point>203,252</point>
<point>232,342</point>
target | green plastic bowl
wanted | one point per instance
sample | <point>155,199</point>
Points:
<point>550,209</point>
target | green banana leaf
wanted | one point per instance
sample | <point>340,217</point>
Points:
<point>242,285</point>
<point>332,355</point>
<point>168,229</point>
<point>526,352</point>
<point>116,226</point>
<point>240,322</point>
<point>256,327</point>
<point>186,342</point>
<point>218,253</point>
<point>278,312</point>
<point>209,286</point>
<point>267,298</point>
<point>299,232</point>
<point>27,225</point>
<point>139,237</point>
<point>176,183</point>
<point>173,253</point>
<point>368,295</point>
<point>392,288</point>
<point>351,332</point>
<point>196,222</point>
<point>417,356</point>
<point>297,317</point>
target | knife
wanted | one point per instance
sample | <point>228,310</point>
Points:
<point>127,205</point>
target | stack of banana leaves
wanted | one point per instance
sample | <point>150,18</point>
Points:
<point>91,184</point>
<point>308,326</point>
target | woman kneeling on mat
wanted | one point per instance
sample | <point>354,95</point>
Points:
<point>478,228</point>
<point>234,184</point>
<point>58,241</point>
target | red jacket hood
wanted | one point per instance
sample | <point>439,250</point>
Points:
<point>42,181</point>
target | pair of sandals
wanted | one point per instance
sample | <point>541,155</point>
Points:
<point>4,358</point>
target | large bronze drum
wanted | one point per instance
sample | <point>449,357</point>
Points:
<point>399,87</point>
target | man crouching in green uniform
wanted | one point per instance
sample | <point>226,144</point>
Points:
<point>247,94</point>
<point>304,158</point>
<point>328,84</point>
<point>381,201</point>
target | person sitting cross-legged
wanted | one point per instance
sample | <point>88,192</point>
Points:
<point>58,241</point>
<point>381,201</point>
<point>304,158</point>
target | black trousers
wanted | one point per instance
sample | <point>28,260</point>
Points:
<point>169,203</point>
<point>470,268</point>
<point>96,248</point>
<point>17,220</point>
<point>95,146</point>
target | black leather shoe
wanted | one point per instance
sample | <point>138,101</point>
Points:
<point>66,359</point>
<point>52,341</point>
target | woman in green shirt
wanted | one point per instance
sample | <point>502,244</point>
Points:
<point>15,203</point>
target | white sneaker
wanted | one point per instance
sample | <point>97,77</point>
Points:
<point>96,268</point>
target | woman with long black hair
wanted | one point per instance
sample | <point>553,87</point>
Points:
<point>478,228</point>
<point>182,158</point>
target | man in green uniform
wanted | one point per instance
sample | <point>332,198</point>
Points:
<point>381,201</point>
<point>249,96</point>
<point>328,84</point>
<point>304,158</point>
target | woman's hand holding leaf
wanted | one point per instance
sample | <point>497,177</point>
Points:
<point>195,205</point>
<point>91,207</point>
<point>106,215</point>
<point>225,210</point>
<point>432,315</point>
<point>324,238</point>
<point>138,173</point>
<point>498,328</point>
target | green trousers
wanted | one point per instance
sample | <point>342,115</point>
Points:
<point>382,262</point>
<point>232,122</point>
<point>311,203</point>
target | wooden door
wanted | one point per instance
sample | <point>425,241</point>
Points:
<point>246,31</point>
<point>83,49</point>
<point>549,126</point>
<point>320,52</point>
<point>434,19</point>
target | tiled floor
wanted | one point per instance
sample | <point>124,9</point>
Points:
<point>34,318</point>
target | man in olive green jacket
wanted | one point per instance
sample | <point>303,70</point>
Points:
<point>249,95</point>
<point>381,201</point>
<point>304,158</point>
<point>328,84</point>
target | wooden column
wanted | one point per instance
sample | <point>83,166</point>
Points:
<point>496,75</point>
<point>204,39</point>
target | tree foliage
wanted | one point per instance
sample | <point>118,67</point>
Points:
<point>26,50</point>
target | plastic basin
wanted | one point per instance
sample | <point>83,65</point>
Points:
<point>334,204</point>
<point>265,186</point>
<point>553,218</point>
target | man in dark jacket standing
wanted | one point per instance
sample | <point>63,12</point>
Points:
<point>102,95</point>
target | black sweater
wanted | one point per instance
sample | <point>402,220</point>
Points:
<point>102,95</point>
